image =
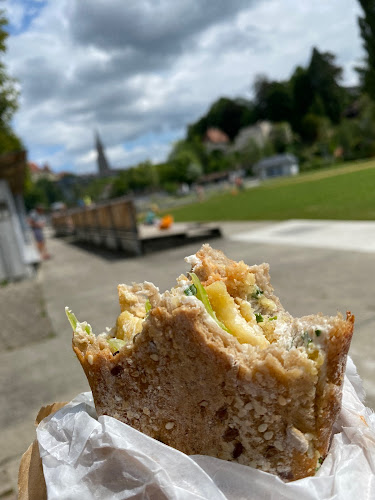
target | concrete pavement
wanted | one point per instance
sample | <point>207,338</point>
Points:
<point>307,280</point>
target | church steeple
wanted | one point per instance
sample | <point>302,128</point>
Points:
<point>103,166</point>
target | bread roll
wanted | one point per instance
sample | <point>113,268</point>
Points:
<point>217,367</point>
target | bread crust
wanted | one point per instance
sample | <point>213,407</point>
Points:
<point>188,383</point>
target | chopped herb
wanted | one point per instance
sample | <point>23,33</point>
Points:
<point>305,337</point>
<point>259,318</point>
<point>318,332</point>
<point>203,297</point>
<point>256,293</point>
<point>147,306</point>
<point>190,290</point>
<point>273,317</point>
<point>116,344</point>
<point>320,460</point>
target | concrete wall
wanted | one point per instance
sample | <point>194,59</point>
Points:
<point>17,251</point>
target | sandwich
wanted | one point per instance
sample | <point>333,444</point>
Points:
<point>216,366</point>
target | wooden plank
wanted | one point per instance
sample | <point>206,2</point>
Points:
<point>124,215</point>
<point>104,218</point>
<point>90,217</point>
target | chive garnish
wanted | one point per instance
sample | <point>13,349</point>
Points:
<point>148,306</point>
<point>258,291</point>
<point>190,290</point>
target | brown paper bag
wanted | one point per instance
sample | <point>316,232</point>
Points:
<point>31,483</point>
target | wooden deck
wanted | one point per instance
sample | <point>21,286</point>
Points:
<point>153,238</point>
<point>113,225</point>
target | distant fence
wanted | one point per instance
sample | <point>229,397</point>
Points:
<point>112,225</point>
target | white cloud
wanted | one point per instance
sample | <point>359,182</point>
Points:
<point>15,12</point>
<point>134,69</point>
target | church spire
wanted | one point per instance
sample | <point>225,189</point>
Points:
<point>104,168</point>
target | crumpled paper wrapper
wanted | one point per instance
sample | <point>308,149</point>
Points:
<point>85,457</point>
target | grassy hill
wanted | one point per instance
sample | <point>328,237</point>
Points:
<point>346,193</point>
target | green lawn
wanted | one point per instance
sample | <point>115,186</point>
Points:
<point>341,193</point>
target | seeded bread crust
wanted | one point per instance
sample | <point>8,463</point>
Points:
<point>188,383</point>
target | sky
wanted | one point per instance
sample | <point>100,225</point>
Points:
<point>140,71</point>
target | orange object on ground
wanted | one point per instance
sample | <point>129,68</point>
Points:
<point>166,222</point>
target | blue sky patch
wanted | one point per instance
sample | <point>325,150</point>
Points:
<point>21,14</point>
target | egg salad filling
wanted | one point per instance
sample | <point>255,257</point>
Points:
<point>255,320</point>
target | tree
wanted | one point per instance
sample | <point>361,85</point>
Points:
<point>281,136</point>
<point>302,96</point>
<point>250,155</point>
<point>186,158</point>
<point>324,76</point>
<point>273,100</point>
<point>8,98</point>
<point>367,29</point>
<point>228,115</point>
<point>33,194</point>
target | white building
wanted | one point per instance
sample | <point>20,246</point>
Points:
<point>258,133</point>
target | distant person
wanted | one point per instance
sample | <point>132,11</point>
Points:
<point>239,183</point>
<point>150,218</point>
<point>200,192</point>
<point>37,222</point>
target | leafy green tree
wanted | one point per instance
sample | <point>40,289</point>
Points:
<point>142,177</point>
<point>281,136</point>
<point>229,115</point>
<point>302,96</point>
<point>186,159</point>
<point>310,127</point>
<point>367,29</point>
<point>316,92</point>
<point>324,76</point>
<point>356,137</point>
<point>273,100</point>
<point>250,155</point>
<point>347,137</point>
<point>51,190</point>
<point>217,161</point>
<point>120,185</point>
<point>168,174</point>
<point>33,194</point>
<point>96,190</point>
<point>8,97</point>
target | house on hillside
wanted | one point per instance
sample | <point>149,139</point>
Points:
<point>276,166</point>
<point>44,172</point>
<point>216,140</point>
<point>259,133</point>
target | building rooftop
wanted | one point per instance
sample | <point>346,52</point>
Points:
<point>216,136</point>
<point>276,160</point>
